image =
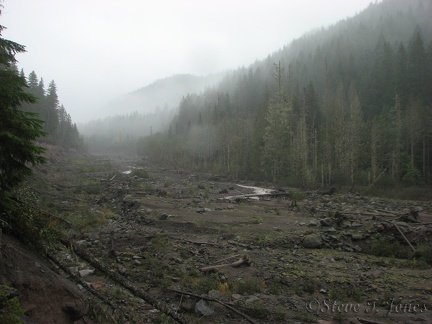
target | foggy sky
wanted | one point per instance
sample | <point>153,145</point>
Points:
<point>97,50</point>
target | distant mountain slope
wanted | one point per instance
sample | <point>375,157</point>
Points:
<point>348,104</point>
<point>166,92</point>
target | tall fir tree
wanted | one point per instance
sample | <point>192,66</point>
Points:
<point>18,129</point>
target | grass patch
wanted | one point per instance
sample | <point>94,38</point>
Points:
<point>201,284</point>
<point>346,293</point>
<point>88,187</point>
<point>256,309</point>
<point>247,286</point>
<point>140,173</point>
<point>85,221</point>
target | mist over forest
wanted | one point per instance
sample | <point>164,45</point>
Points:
<point>141,112</point>
<point>348,104</point>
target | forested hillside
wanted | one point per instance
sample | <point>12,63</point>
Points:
<point>58,124</point>
<point>349,104</point>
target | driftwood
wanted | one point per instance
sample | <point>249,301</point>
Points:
<point>229,257</point>
<point>244,260</point>
<point>402,234</point>
<point>250,320</point>
<point>397,227</point>
<point>366,321</point>
<point>245,196</point>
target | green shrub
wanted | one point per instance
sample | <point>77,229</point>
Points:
<point>424,253</point>
<point>385,247</point>
<point>10,306</point>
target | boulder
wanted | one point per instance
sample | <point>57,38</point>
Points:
<point>312,241</point>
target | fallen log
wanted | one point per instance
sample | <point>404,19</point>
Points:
<point>397,227</point>
<point>136,291</point>
<point>228,257</point>
<point>366,321</point>
<point>245,196</point>
<point>244,260</point>
<point>250,320</point>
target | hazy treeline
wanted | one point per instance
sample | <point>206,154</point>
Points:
<point>139,113</point>
<point>58,123</point>
<point>118,134</point>
<point>349,104</point>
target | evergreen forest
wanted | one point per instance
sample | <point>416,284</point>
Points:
<point>350,104</point>
<point>57,123</point>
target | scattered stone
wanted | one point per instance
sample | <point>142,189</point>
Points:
<point>326,221</point>
<point>328,229</point>
<point>312,241</point>
<point>75,310</point>
<point>74,270</point>
<point>164,216</point>
<point>357,237</point>
<point>236,297</point>
<point>215,294</point>
<point>203,210</point>
<point>137,262</point>
<point>202,308</point>
<point>251,299</point>
<point>85,272</point>
<point>312,223</point>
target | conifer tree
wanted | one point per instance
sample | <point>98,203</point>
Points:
<point>51,109</point>
<point>18,129</point>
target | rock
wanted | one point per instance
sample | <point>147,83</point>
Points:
<point>312,241</point>
<point>137,262</point>
<point>128,198</point>
<point>236,297</point>
<point>164,216</point>
<point>251,299</point>
<point>203,210</point>
<point>202,308</point>
<point>326,221</point>
<point>75,310</point>
<point>214,294</point>
<point>328,229</point>
<point>74,270</point>
<point>313,223</point>
<point>85,272</point>
<point>357,237</point>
